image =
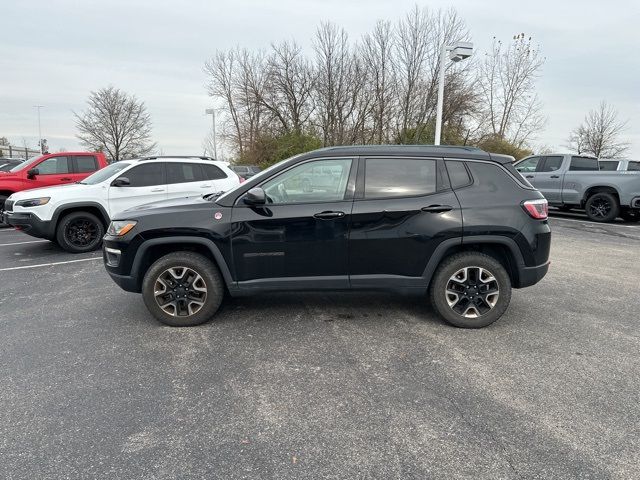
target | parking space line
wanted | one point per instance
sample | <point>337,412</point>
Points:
<point>594,224</point>
<point>23,267</point>
<point>22,243</point>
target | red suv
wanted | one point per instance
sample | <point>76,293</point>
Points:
<point>48,170</point>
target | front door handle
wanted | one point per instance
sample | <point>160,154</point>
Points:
<point>528,176</point>
<point>65,179</point>
<point>437,208</point>
<point>157,189</point>
<point>329,215</point>
<point>205,186</point>
<point>555,176</point>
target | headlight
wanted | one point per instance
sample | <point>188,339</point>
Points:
<point>33,202</point>
<point>118,228</point>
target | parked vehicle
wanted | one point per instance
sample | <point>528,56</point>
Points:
<point>610,165</point>
<point>48,170</point>
<point>574,181</point>
<point>456,221</point>
<point>7,164</point>
<point>75,216</point>
<point>245,171</point>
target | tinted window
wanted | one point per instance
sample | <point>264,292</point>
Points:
<point>634,166</point>
<point>551,164</point>
<point>54,165</point>
<point>386,177</point>
<point>213,173</point>
<point>608,166</point>
<point>184,172</point>
<point>490,178</point>
<point>85,163</point>
<point>528,165</point>
<point>146,175</point>
<point>584,164</point>
<point>317,181</point>
<point>458,174</point>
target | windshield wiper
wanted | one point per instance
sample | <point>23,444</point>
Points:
<point>212,196</point>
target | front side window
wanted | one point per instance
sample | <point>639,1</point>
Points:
<point>54,165</point>
<point>311,182</point>
<point>584,164</point>
<point>529,165</point>
<point>146,175</point>
<point>551,164</point>
<point>398,177</point>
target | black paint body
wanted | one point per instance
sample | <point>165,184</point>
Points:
<point>391,243</point>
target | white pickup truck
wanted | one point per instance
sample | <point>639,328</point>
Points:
<point>76,215</point>
<point>574,181</point>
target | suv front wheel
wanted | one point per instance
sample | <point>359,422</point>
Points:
<point>80,232</point>
<point>470,290</point>
<point>183,289</point>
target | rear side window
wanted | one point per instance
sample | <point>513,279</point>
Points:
<point>634,166</point>
<point>458,174</point>
<point>213,173</point>
<point>85,163</point>
<point>184,172</point>
<point>397,177</point>
<point>609,166</point>
<point>146,175</point>
<point>551,164</point>
<point>584,164</point>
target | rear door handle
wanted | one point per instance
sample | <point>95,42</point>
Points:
<point>157,189</point>
<point>528,176</point>
<point>555,176</point>
<point>329,215</point>
<point>437,208</point>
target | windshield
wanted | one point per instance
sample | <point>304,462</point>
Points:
<point>105,173</point>
<point>21,165</point>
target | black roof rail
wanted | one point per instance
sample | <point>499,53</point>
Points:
<point>159,157</point>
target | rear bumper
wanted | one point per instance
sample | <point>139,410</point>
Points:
<point>528,276</point>
<point>30,224</point>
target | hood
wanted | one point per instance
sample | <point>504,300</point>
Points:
<point>48,191</point>
<point>173,206</point>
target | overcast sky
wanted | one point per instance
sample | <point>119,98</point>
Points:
<point>55,52</point>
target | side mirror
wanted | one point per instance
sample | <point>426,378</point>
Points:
<point>121,182</point>
<point>32,172</point>
<point>255,196</point>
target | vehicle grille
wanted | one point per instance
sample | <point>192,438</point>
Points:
<point>8,205</point>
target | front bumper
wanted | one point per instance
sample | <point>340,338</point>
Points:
<point>29,223</point>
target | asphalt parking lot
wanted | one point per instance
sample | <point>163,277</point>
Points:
<point>322,385</point>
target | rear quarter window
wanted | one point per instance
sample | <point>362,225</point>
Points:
<point>491,178</point>
<point>584,164</point>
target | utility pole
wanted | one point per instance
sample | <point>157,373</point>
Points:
<point>212,112</point>
<point>39,127</point>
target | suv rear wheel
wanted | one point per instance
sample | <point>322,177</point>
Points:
<point>80,232</point>
<point>183,289</point>
<point>470,290</point>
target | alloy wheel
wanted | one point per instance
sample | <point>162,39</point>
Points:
<point>472,292</point>
<point>82,232</point>
<point>600,208</point>
<point>180,291</point>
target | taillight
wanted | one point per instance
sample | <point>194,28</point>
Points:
<point>538,209</point>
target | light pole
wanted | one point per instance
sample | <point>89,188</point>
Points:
<point>457,52</point>
<point>212,112</point>
<point>39,127</point>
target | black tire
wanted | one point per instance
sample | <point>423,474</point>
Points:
<point>3,198</point>
<point>602,207</point>
<point>183,263</point>
<point>630,215</point>
<point>80,232</point>
<point>496,280</point>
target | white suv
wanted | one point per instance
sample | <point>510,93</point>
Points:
<point>76,215</point>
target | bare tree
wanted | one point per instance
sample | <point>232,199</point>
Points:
<point>117,123</point>
<point>599,134</point>
<point>507,87</point>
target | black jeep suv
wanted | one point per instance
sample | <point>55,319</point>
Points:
<point>456,222</point>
